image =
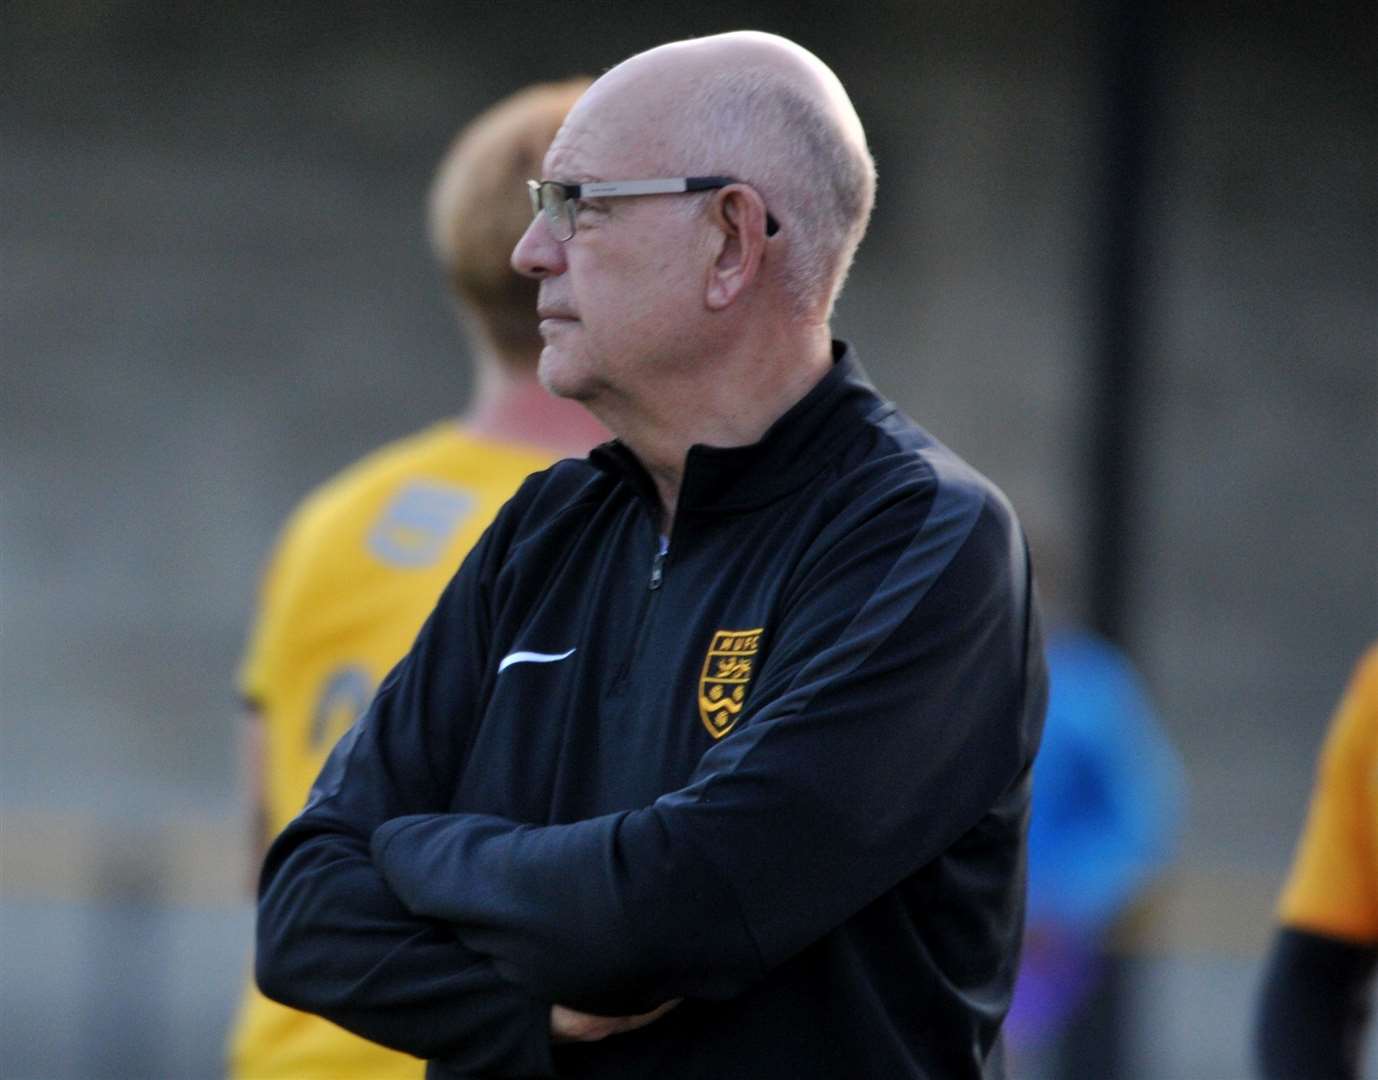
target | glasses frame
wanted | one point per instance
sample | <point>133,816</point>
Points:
<point>559,213</point>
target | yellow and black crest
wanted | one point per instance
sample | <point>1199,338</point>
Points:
<point>726,672</point>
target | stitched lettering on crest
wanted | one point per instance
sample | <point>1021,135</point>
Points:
<point>726,675</point>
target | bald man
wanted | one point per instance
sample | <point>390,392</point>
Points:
<point>713,759</point>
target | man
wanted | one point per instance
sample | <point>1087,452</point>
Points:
<point>362,561</point>
<point>713,758</point>
<point>1314,1009</point>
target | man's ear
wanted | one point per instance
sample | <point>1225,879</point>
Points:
<point>740,215</point>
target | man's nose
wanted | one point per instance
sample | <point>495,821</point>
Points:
<point>538,254</point>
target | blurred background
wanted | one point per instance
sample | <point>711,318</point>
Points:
<point>1124,259</point>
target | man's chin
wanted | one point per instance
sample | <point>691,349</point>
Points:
<point>564,377</point>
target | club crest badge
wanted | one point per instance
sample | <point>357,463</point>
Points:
<point>726,673</point>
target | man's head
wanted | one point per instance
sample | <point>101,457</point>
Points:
<point>650,273</point>
<point>477,211</point>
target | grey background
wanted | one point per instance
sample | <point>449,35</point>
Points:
<point>216,292</point>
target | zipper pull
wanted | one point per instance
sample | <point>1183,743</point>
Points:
<point>658,565</point>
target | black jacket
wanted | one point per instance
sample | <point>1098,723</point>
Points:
<point>780,771</point>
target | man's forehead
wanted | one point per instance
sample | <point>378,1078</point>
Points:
<point>580,160</point>
<point>572,157</point>
<point>608,133</point>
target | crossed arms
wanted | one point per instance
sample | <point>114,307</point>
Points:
<point>886,720</point>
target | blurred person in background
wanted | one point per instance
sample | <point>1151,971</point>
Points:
<point>361,562</point>
<point>1108,808</point>
<point>713,759</point>
<point>1314,1004</point>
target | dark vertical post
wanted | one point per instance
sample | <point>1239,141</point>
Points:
<point>1127,43</point>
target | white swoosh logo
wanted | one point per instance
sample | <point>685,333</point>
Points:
<point>531,658</point>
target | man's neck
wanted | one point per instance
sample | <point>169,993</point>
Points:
<point>510,405</point>
<point>732,402</point>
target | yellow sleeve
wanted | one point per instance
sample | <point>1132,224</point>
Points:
<point>254,676</point>
<point>1333,885</point>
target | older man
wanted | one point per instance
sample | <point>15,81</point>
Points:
<point>713,758</point>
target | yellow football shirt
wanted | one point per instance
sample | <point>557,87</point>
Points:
<point>1333,886</point>
<point>355,573</point>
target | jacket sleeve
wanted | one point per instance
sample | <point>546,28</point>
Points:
<point>1314,1006</point>
<point>895,706</point>
<point>332,938</point>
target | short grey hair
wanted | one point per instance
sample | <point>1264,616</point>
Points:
<point>817,181</point>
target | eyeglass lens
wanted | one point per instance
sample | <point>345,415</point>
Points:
<point>558,208</point>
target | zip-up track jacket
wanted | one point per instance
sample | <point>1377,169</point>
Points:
<point>780,771</point>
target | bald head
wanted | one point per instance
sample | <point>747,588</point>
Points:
<point>756,107</point>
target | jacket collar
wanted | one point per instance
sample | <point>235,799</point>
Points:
<point>793,450</point>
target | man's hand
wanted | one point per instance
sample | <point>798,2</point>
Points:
<point>569,1025</point>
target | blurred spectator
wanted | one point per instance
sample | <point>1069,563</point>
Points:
<point>1314,1005</point>
<point>1107,810</point>
<point>361,562</point>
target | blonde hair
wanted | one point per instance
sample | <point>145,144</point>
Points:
<point>478,208</point>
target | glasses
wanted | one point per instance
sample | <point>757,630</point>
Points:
<point>557,200</point>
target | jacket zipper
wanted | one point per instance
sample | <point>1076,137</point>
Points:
<point>658,564</point>
<point>643,618</point>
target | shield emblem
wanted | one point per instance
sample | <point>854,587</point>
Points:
<point>726,673</point>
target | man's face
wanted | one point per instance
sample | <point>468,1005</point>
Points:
<point>621,298</point>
